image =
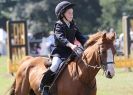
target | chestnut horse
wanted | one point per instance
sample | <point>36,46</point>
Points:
<point>78,78</point>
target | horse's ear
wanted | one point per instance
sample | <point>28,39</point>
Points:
<point>112,36</point>
<point>104,35</point>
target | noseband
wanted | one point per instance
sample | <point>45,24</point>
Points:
<point>101,63</point>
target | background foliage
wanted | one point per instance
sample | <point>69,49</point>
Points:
<point>89,15</point>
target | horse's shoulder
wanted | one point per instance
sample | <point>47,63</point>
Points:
<point>39,61</point>
<point>25,59</point>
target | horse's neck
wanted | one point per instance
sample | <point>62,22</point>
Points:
<point>88,73</point>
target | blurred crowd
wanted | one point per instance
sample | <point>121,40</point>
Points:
<point>43,45</point>
<point>119,43</point>
<point>3,41</point>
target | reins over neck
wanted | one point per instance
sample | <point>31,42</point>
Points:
<point>87,64</point>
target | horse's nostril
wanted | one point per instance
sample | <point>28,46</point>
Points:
<point>108,75</point>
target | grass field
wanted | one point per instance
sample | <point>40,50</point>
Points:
<point>121,84</point>
<point>5,78</point>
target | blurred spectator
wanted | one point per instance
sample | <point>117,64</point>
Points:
<point>35,49</point>
<point>47,44</point>
<point>30,36</point>
<point>50,41</point>
<point>3,38</point>
<point>44,47</point>
<point>121,39</point>
<point>111,30</point>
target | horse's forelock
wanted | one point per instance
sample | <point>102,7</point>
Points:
<point>93,38</point>
<point>111,36</point>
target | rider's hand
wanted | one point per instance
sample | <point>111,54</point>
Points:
<point>76,42</point>
<point>72,46</point>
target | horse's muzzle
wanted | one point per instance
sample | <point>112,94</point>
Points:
<point>108,75</point>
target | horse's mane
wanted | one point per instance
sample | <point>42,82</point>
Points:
<point>93,38</point>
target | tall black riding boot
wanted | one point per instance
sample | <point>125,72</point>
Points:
<point>46,82</point>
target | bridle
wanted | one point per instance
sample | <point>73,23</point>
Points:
<point>101,63</point>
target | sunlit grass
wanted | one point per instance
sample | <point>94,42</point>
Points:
<point>3,64</point>
<point>5,78</point>
<point>121,84</point>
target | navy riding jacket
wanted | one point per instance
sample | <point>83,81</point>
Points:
<point>63,35</point>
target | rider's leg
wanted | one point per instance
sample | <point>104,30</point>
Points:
<point>49,75</point>
<point>55,64</point>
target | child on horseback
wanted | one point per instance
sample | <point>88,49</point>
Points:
<point>65,34</point>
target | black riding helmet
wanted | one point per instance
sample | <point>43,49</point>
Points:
<point>62,7</point>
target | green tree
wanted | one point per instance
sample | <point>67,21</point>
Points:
<point>41,17</point>
<point>112,11</point>
<point>5,10</point>
<point>87,13</point>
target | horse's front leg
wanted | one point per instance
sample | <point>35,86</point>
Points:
<point>93,88</point>
<point>93,91</point>
<point>25,85</point>
<point>21,86</point>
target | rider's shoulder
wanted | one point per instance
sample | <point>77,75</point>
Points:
<point>59,22</point>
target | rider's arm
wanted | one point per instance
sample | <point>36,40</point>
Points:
<point>80,37</point>
<point>60,35</point>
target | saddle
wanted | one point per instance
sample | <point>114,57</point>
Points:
<point>53,86</point>
<point>77,53</point>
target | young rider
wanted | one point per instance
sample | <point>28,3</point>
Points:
<point>66,33</point>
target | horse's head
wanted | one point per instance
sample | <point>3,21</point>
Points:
<point>106,50</point>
